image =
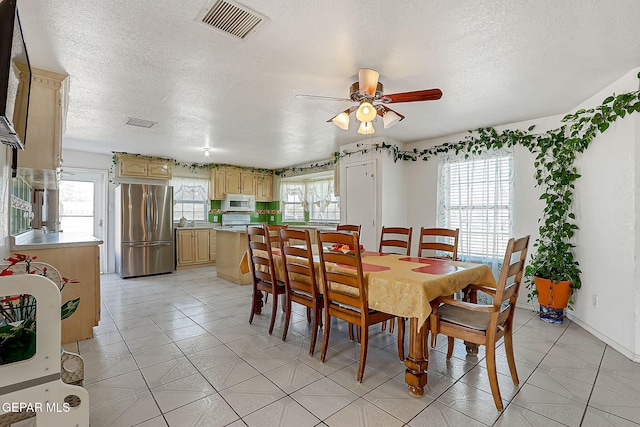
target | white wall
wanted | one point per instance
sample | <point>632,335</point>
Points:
<point>607,211</point>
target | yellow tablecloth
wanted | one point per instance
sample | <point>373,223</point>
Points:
<point>403,285</point>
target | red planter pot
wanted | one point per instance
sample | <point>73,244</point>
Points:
<point>553,298</point>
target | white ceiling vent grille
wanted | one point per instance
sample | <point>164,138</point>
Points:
<point>232,18</point>
<point>141,123</point>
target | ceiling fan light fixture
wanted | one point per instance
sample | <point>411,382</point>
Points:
<point>366,112</point>
<point>366,128</point>
<point>390,118</point>
<point>341,120</point>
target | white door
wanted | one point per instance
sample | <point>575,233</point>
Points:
<point>82,205</point>
<point>360,201</point>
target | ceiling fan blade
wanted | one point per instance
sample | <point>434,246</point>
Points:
<point>368,80</point>
<point>418,95</point>
<point>321,98</point>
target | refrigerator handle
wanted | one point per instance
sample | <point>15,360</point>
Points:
<point>147,214</point>
<point>154,212</point>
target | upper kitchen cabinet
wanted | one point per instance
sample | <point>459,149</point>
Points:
<point>216,184</point>
<point>225,181</point>
<point>264,187</point>
<point>237,182</point>
<point>140,167</point>
<point>247,183</point>
<point>45,122</point>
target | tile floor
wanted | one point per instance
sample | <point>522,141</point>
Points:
<point>177,350</point>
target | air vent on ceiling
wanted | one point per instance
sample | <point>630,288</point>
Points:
<point>232,18</point>
<point>132,121</point>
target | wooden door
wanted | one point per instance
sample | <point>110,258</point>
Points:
<point>232,183</point>
<point>186,248</point>
<point>201,246</point>
<point>159,170</point>
<point>133,167</point>
<point>248,183</point>
<point>360,201</point>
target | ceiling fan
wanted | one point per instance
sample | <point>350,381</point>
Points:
<point>368,92</point>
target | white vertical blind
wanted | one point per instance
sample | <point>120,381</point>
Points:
<point>475,195</point>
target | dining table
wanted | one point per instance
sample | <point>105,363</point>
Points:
<point>406,286</point>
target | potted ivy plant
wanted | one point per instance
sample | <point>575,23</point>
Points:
<point>553,272</point>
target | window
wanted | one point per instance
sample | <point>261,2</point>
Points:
<point>292,201</point>
<point>191,198</point>
<point>475,195</point>
<point>314,196</point>
<point>323,205</point>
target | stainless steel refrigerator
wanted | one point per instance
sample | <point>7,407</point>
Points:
<point>144,230</point>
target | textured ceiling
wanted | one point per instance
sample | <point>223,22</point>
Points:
<point>496,62</point>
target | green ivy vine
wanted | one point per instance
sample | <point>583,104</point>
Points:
<point>555,154</point>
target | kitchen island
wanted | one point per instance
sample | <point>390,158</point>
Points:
<point>232,245</point>
<point>75,256</point>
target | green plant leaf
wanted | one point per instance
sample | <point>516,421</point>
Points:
<point>68,308</point>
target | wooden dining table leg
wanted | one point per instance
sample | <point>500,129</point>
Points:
<point>417,362</point>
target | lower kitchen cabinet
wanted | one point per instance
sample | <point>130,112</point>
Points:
<point>193,248</point>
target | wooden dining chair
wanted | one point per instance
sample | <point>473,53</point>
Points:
<point>439,240</point>
<point>399,240</point>
<point>348,227</point>
<point>344,291</point>
<point>486,324</point>
<point>274,235</point>
<point>300,280</point>
<point>262,271</point>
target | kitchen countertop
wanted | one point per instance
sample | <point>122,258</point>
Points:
<point>32,240</point>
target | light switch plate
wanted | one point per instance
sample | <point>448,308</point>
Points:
<point>272,218</point>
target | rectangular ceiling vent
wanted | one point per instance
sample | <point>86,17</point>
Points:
<point>141,123</point>
<point>232,18</point>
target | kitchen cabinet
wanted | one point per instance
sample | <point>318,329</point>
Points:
<point>247,183</point>
<point>232,182</point>
<point>139,167</point>
<point>224,181</point>
<point>192,248</point>
<point>264,187</point>
<point>216,184</point>
<point>45,121</point>
<point>83,264</point>
<point>237,182</point>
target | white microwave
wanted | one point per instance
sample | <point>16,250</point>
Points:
<point>239,203</point>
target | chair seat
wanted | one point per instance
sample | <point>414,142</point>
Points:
<point>476,320</point>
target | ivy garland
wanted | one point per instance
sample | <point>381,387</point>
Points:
<point>556,174</point>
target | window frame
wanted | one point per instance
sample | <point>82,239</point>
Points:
<point>489,193</point>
